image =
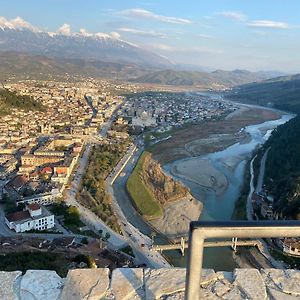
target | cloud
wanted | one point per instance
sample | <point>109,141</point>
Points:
<point>268,24</point>
<point>84,32</point>
<point>17,23</point>
<point>146,14</point>
<point>142,32</point>
<point>65,29</point>
<point>204,36</point>
<point>163,47</point>
<point>188,50</point>
<point>234,15</point>
<point>115,35</point>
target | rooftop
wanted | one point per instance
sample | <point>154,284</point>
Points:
<point>33,206</point>
<point>18,216</point>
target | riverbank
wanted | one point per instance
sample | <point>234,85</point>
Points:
<point>209,177</point>
<point>165,203</point>
<point>229,161</point>
<point>210,136</point>
<point>177,216</point>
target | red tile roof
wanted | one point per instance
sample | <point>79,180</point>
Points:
<point>46,170</point>
<point>18,216</point>
<point>33,206</point>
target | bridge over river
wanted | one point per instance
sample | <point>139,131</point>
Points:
<point>234,243</point>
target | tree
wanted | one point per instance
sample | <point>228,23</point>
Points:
<point>73,215</point>
<point>84,241</point>
<point>91,262</point>
<point>107,236</point>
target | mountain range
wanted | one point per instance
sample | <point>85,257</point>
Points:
<point>25,65</point>
<point>216,79</point>
<point>102,47</point>
<point>30,52</point>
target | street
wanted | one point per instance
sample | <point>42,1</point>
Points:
<point>140,243</point>
<point>88,217</point>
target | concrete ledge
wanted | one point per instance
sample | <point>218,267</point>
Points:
<point>148,284</point>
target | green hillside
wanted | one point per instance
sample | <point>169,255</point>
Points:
<point>282,93</point>
<point>282,175</point>
<point>9,100</point>
<point>216,79</point>
<point>41,67</point>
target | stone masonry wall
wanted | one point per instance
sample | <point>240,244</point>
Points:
<point>134,284</point>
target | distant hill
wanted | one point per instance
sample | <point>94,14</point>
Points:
<point>216,79</point>
<point>281,92</point>
<point>9,100</point>
<point>25,65</point>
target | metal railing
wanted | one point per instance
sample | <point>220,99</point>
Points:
<point>199,231</point>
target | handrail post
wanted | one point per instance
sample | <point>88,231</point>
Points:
<point>195,254</point>
<point>199,231</point>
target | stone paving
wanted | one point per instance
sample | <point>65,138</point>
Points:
<point>148,284</point>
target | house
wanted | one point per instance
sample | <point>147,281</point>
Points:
<point>61,174</point>
<point>291,247</point>
<point>34,176</point>
<point>266,211</point>
<point>35,217</point>
<point>42,199</point>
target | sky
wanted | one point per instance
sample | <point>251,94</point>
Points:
<point>214,34</point>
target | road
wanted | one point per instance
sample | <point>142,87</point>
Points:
<point>261,174</point>
<point>249,205</point>
<point>4,230</point>
<point>121,164</point>
<point>262,245</point>
<point>139,242</point>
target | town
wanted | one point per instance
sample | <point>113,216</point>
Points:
<point>41,149</point>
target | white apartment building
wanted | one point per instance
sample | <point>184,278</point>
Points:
<point>35,217</point>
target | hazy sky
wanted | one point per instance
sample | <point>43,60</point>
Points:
<point>246,34</point>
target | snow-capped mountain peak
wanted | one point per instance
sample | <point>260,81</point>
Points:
<point>18,34</point>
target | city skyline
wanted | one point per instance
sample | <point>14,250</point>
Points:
<point>228,35</point>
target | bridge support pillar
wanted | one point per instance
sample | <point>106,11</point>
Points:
<point>234,242</point>
<point>182,245</point>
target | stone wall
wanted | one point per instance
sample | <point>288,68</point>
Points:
<point>133,284</point>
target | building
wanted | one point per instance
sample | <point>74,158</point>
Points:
<point>35,160</point>
<point>291,247</point>
<point>144,120</point>
<point>266,211</point>
<point>43,198</point>
<point>35,217</point>
<point>7,168</point>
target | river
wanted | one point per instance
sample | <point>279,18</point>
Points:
<point>221,207</point>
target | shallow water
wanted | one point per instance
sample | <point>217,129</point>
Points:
<point>222,207</point>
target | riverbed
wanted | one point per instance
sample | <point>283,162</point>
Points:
<point>219,204</point>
